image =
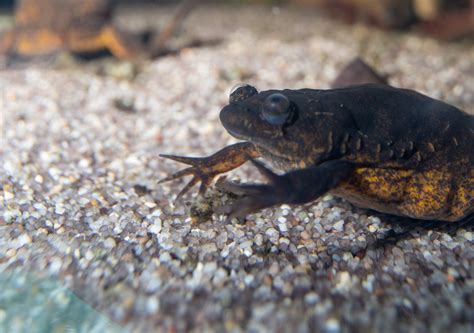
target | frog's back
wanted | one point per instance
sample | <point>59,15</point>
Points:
<point>389,115</point>
<point>418,158</point>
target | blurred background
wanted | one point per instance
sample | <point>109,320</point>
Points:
<point>443,19</point>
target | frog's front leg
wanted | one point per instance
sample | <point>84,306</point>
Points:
<point>205,169</point>
<point>295,187</point>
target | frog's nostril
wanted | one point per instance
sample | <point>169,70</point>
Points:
<point>225,115</point>
<point>236,87</point>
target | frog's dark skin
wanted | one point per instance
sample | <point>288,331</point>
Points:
<point>388,149</point>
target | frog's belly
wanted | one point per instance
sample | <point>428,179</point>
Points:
<point>429,194</point>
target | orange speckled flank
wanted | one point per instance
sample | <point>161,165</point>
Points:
<point>431,194</point>
<point>427,195</point>
<point>463,200</point>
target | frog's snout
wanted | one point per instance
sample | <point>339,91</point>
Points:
<point>234,121</point>
<point>228,116</point>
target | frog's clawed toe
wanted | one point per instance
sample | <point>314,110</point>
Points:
<point>197,170</point>
<point>205,169</point>
<point>194,161</point>
<point>176,175</point>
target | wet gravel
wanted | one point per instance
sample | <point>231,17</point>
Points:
<point>81,204</point>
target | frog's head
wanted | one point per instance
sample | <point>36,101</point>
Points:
<point>281,123</point>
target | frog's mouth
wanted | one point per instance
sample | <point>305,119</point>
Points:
<point>278,159</point>
<point>237,135</point>
<point>234,120</point>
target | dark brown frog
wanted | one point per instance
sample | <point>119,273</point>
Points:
<point>389,149</point>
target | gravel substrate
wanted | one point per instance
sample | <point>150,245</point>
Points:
<point>81,205</point>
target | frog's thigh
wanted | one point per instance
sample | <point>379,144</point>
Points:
<point>427,195</point>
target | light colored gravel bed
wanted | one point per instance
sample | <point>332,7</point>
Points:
<point>81,204</point>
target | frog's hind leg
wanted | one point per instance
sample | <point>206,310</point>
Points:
<point>358,72</point>
<point>295,187</point>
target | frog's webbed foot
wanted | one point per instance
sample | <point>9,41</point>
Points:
<point>294,187</point>
<point>205,169</point>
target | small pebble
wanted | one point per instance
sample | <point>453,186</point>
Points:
<point>339,225</point>
<point>272,234</point>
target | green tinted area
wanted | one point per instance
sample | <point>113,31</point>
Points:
<point>38,305</point>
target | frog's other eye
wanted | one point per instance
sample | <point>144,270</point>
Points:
<point>276,109</point>
<point>241,92</point>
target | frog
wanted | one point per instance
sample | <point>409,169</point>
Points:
<point>43,27</point>
<point>392,150</point>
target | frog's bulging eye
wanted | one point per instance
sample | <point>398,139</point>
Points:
<point>241,92</point>
<point>276,109</point>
